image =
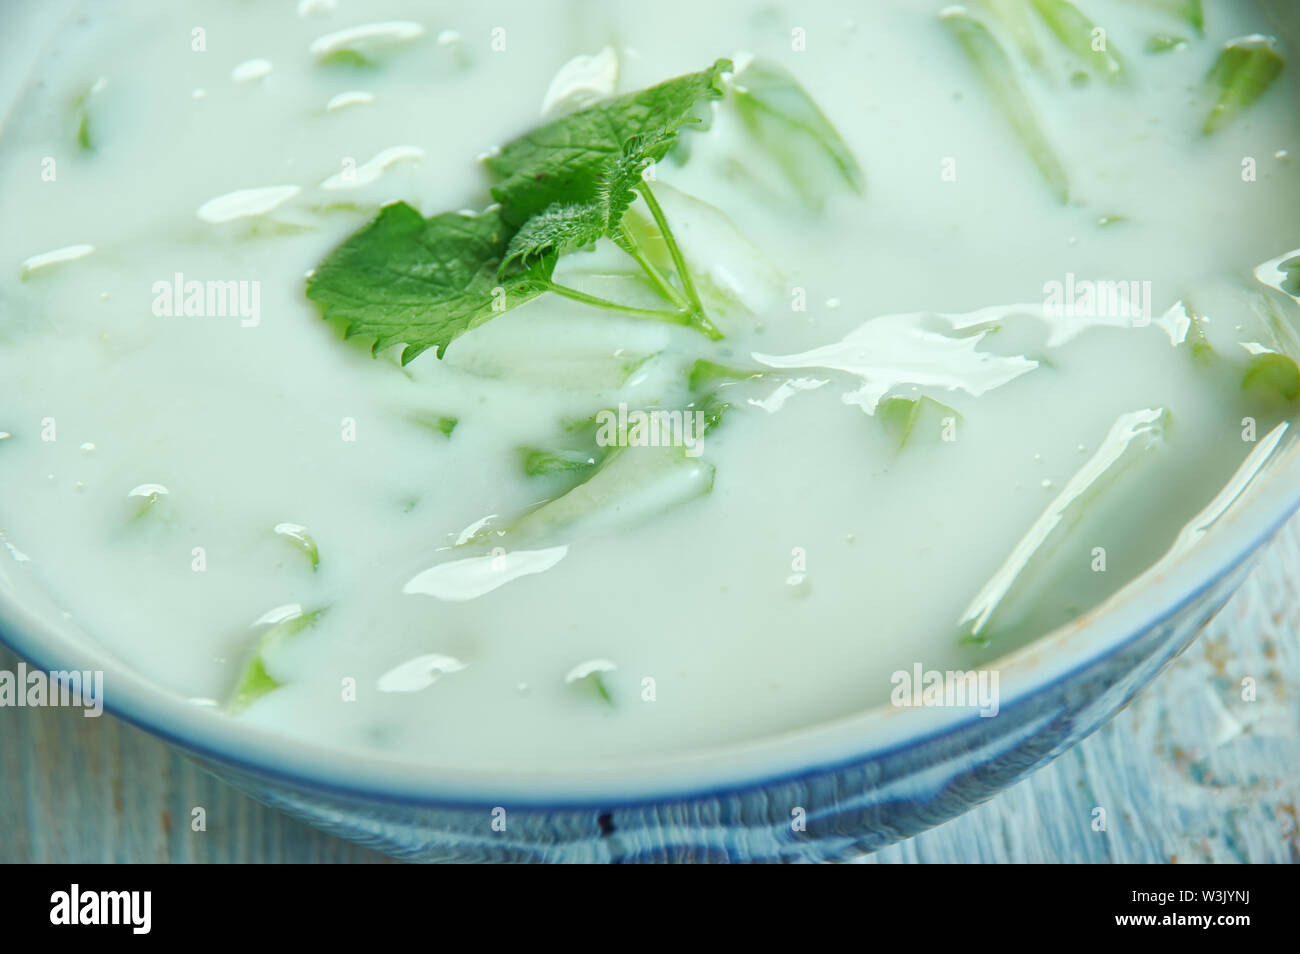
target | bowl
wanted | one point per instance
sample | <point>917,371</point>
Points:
<point>826,793</point>
<point>830,792</point>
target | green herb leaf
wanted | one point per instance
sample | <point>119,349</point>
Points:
<point>422,282</point>
<point>556,231</point>
<point>569,157</point>
<point>563,227</point>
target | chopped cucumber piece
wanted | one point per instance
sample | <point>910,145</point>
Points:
<point>900,416</point>
<point>997,71</point>
<point>1081,36</point>
<point>1244,71</point>
<point>437,423</point>
<point>546,462</point>
<point>590,675</point>
<point>784,118</point>
<point>1014,15</point>
<point>631,485</point>
<point>301,539</point>
<point>149,494</point>
<point>1165,42</point>
<point>1203,352</point>
<point>705,373</point>
<point>347,58</point>
<point>256,681</point>
<point>81,110</point>
<point>1274,375</point>
<point>1291,284</point>
<point>508,349</point>
<point>1129,438</point>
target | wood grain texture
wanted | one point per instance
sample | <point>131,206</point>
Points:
<point>1190,772</point>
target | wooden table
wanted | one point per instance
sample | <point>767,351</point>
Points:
<point>1189,772</point>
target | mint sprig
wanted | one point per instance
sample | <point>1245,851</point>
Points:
<point>569,155</point>
<point>423,282</point>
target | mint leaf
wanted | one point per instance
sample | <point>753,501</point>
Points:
<point>784,118</point>
<point>422,282</point>
<point>557,230</point>
<point>564,227</point>
<point>568,157</point>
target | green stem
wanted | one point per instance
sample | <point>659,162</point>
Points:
<point>698,318</point>
<point>655,314</point>
<point>627,243</point>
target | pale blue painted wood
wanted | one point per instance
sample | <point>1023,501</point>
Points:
<point>1189,772</point>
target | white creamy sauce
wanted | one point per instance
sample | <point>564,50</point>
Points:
<point>249,468</point>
